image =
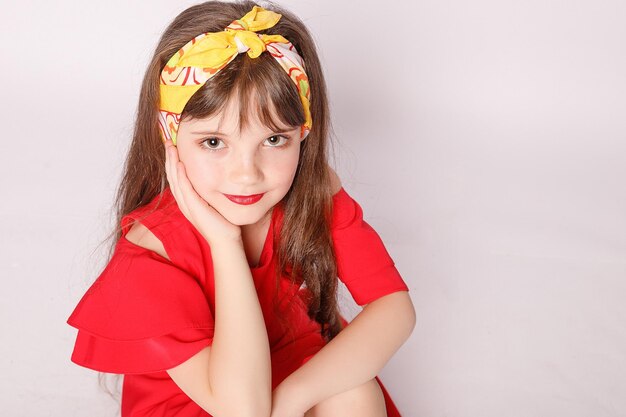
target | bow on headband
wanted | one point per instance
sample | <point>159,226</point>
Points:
<point>203,56</point>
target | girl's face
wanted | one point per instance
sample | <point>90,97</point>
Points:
<point>220,159</point>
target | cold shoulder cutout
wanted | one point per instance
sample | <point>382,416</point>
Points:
<point>141,236</point>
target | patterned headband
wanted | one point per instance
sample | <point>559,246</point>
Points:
<point>203,56</point>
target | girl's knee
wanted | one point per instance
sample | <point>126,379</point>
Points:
<point>365,400</point>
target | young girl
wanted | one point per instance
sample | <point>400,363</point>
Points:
<point>220,297</point>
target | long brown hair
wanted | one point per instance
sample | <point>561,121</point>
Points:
<point>304,248</point>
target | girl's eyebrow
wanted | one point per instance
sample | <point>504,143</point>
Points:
<point>208,132</point>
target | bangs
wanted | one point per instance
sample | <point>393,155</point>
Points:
<point>262,87</point>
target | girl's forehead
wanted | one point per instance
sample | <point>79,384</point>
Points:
<point>228,122</point>
<point>235,117</point>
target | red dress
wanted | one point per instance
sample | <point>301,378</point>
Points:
<point>145,314</point>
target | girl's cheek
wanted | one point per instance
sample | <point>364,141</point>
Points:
<point>286,164</point>
<point>202,171</point>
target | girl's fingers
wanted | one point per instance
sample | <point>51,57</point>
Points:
<point>189,201</point>
<point>192,200</point>
<point>171,179</point>
<point>171,155</point>
<point>173,159</point>
<point>167,164</point>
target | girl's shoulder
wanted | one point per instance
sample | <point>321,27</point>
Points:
<point>161,215</point>
<point>141,226</point>
<point>161,227</point>
<point>346,210</point>
<point>335,181</point>
<point>363,262</point>
<point>343,204</point>
<point>141,236</point>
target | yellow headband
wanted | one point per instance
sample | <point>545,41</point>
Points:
<point>203,56</point>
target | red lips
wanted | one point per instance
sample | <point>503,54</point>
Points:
<point>244,199</point>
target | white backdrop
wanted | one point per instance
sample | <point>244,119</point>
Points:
<point>485,141</point>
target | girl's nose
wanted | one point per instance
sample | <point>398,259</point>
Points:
<point>246,170</point>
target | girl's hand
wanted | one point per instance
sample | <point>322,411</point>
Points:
<point>209,222</point>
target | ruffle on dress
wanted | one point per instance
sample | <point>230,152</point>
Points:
<point>142,314</point>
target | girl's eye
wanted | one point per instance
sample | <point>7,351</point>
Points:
<point>210,144</point>
<point>274,140</point>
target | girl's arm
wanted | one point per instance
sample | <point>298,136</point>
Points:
<point>232,377</point>
<point>356,355</point>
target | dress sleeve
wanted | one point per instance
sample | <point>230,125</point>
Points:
<point>142,314</point>
<point>363,263</point>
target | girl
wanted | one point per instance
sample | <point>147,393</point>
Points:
<point>220,297</point>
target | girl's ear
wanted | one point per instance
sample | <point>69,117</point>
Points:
<point>304,133</point>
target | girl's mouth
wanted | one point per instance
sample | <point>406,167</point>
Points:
<point>244,199</point>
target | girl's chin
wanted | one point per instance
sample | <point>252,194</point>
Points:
<point>250,217</point>
<point>244,214</point>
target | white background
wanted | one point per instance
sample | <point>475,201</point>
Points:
<point>484,140</point>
